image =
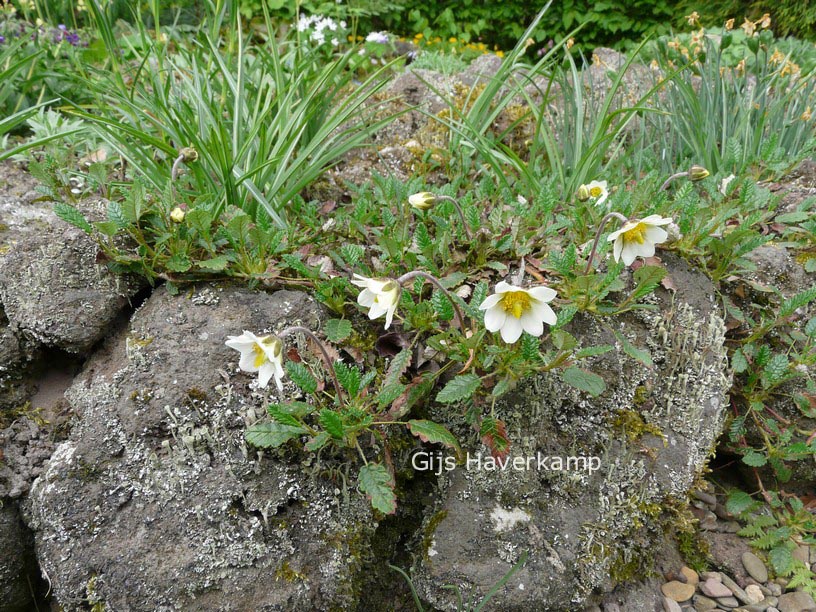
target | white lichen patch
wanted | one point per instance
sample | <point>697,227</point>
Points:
<point>504,520</point>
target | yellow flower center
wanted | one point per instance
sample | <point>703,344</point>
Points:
<point>516,303</point>
<point>260,355</point>
<point>595,192</point>
<point>636,233</point>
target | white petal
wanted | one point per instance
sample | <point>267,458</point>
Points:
<point>647,249</point>
<point>503,287</point>
<point>542,294</point>
<point>548,315</point>
<point>494,318</point>
<point>531,323</point>
<point>617,248</point>
<point>614,235</point>
<point>490,301</point>
<point>628,254</point>
<point>544,312</point>
<point>389,315</point>
<point>247,362</point>
<point>511,330</point>
<point>377,310</point>
<point>264,374</point>
<point>366,298</point>
<point>656,220</point>
<point>361,281</point>
<point>656,235</point>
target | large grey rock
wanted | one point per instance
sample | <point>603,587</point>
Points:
<point>585,532</point>
<point>17,562</point>
<point>51,285</point>
<point>16,355</point>
<point>156,503</point>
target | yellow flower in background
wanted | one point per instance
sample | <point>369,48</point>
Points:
<point>638,237</point>
<point>380,296</point>
<point>598,191</point>
<point>262,354</point>
<point>748,27</point>
<point>765,21</point>
<point>693,19</point>
<point>806,115</point>
<point>513,310</point>
<point>729,25</point>
<point>177,214</point>
<point>777,57</point>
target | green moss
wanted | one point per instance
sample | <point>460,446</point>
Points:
<point>631,424</point>
<point>285,572</point>
<point>196,395</point>
<point>430,530</point>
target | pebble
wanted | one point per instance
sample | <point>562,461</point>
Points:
<point>762,606</point>
<point>690,575</point>
<point>775,589</point>
<point>703,603</point>
<point>728,603</point>
<point>754,594</point>
<point>715,589</point>
<point>796,601</point>
<point>736,589</point>
<point>669,605</point>
<point>755,567</point>
<point>677,590</point>
<point>711,576</point>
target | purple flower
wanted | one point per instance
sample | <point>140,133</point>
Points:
<point>62,27</point>
<point>2,39</point>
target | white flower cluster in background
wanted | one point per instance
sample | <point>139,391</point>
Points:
<point>321,29</point>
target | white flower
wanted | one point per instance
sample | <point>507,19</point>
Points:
<point>725,182</point>
<point>598,191</point>
<point>377,37</point>
<point>638,237</point>
<point>512,310</point>
<point>263,355</point>
<point>380,295</point>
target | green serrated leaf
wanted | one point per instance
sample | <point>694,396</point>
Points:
<point>281,416</point>
<point>739,362</point>
<point>106,228</point>
<point>116,214</point>
<point>428,431</point>
<point>584,380</point>
<point>647,278</point>
<point>376,482</point>
<point>640,355</point>
<point>738,502</point>
<point>781,559</point>
<point>272,435</point>
<point>179,262</point>
<point>301,376</point>
<point>459,388</point>
<point>332,423</point>
<point>754,459</point>
<point>389,393</point>
<point>71,215</point>
<point>593,351</point>
<point>442,306</point>
<point>216,264</point>
<point>493,433</point>
<point>352,254</point>
<point>318,442</point>
<point>348,376</point>
<point>338,330</point>
<point>791,305</point>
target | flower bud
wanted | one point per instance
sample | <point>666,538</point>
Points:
<point>697,173</point>
<point>583,193</point>
<point>422,200</point>
<point>177,214</point>
<point>188,155</point>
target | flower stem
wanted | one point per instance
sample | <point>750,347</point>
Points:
<point>459,210</point>
<point>434,281</point>
<point>677,175</point>
<point>606,218</point>
<point>297,329</point>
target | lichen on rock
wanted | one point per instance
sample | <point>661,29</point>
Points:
<point>587,530</point>
<point>157,498</point>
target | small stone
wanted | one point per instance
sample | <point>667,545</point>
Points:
<point>715,589</point>
<point>796,601</point>
<point>762,606</point>
<point>772,610</point>
<point>754,594</point>
<point>729,603</point>
<point>711,576</point>
<point>736,589</point>
<point>669,605</point>
<point>611,607</point>
<point>703,603</point>
<point>690,575</point>
<point>755,567</point>
<point>775,589</point>
<point>678,591</point>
